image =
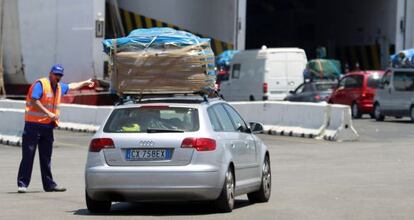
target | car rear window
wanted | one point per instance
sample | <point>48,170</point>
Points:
<point>325,86</point>
<point>374,80</point>
<point>150,119</point>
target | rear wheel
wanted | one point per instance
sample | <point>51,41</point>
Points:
<point>377,112</point>
<point>225,202</point>
<point>95,206</point>
<point>356,113</point>
<point>263,194</point>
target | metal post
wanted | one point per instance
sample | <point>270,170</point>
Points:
<point>2,89</point>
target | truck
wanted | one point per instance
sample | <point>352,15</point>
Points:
<point>38,34</point>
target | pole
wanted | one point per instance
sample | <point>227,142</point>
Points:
<point>2,89</point>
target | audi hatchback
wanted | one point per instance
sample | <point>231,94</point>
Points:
<point>176,149</point>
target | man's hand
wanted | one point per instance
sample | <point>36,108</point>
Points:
<point>90,83</point>
<point>77,85</point>
<point>52,116</point>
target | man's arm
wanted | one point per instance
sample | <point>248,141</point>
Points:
<point>78,85</point>
<point>42,108</point>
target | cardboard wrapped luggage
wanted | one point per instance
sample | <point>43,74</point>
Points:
<point>160,60</point>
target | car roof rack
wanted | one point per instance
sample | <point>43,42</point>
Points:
<point>186,97</point>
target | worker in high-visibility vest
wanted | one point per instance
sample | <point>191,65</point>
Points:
<point>41,117</point>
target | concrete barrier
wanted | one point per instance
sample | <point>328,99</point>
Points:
<point>84,114</point>
<point>11,129</point>
<point>80,118</point>
<point>340,126</point>
<point>287,118</point>
<point>313,120</point>
<point>73,117</point>
<point>16,104</point>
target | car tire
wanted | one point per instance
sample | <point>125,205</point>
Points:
<point>377,113</point>
<point>95,206</point>
<point>412,114</point>
<point>356,113</point>
<point>263,194</point>
<point>225,202</point>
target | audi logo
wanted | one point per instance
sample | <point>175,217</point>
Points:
<point>146,143</point>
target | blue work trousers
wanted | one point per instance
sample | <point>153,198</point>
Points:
<point>36,135</point>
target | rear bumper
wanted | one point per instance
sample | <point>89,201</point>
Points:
<point>175,183</point>
<point>366,106</point>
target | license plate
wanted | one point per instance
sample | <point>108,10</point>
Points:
<point>148,154</point>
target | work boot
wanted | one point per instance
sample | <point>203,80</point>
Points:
<point>21,189</point>
<point>56,189</point>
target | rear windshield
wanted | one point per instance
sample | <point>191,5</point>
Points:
<point>152,119</point>
<point>374,80</point>
<point>325,86</point>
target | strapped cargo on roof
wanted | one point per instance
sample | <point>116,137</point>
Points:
<point>160,61</point>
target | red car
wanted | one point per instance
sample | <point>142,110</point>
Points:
<point>357,89</point>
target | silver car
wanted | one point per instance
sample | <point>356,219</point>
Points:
<point>176,149</point>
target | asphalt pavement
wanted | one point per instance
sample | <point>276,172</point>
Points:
<point>372,178</point>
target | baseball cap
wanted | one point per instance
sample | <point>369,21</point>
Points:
<point>57,69</point>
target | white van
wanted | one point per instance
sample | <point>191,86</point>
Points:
<point>265,74</point>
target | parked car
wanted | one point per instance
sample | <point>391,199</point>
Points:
<point>357,89</point>
<point>176,149</point>
<point>315,91</point>
<point>395,95</point>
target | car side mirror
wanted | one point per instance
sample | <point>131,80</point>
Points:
<point>256,127</point>
<point>292,92</point>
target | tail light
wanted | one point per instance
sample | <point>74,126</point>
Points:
<point>200,144</point>
<point>98,144</point>
<point>317,97</point>
<point>265,87</point>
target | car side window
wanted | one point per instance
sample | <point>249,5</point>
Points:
<point>223,118</point>
<point>403,81</point>
<point>238,122</point>
<point>235,73</point>
<point>386,79</point>
<point>308,87</point>
<point>299,89</point>
<point>214,120</point>
<point>342,82</point>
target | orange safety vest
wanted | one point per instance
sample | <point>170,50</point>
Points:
<point>49,100</point>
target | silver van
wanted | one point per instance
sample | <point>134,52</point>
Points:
<point>395,95</point>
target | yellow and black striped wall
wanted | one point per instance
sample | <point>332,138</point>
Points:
<point>131,21</point>
<point>367,56</point>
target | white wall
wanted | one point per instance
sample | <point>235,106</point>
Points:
<point>213,18</point>
<point>12,52</point>
<point>60,32</point>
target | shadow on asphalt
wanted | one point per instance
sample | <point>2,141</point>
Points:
<point>401,121</point>
<point>162,209</point>
<point>27,192</point>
